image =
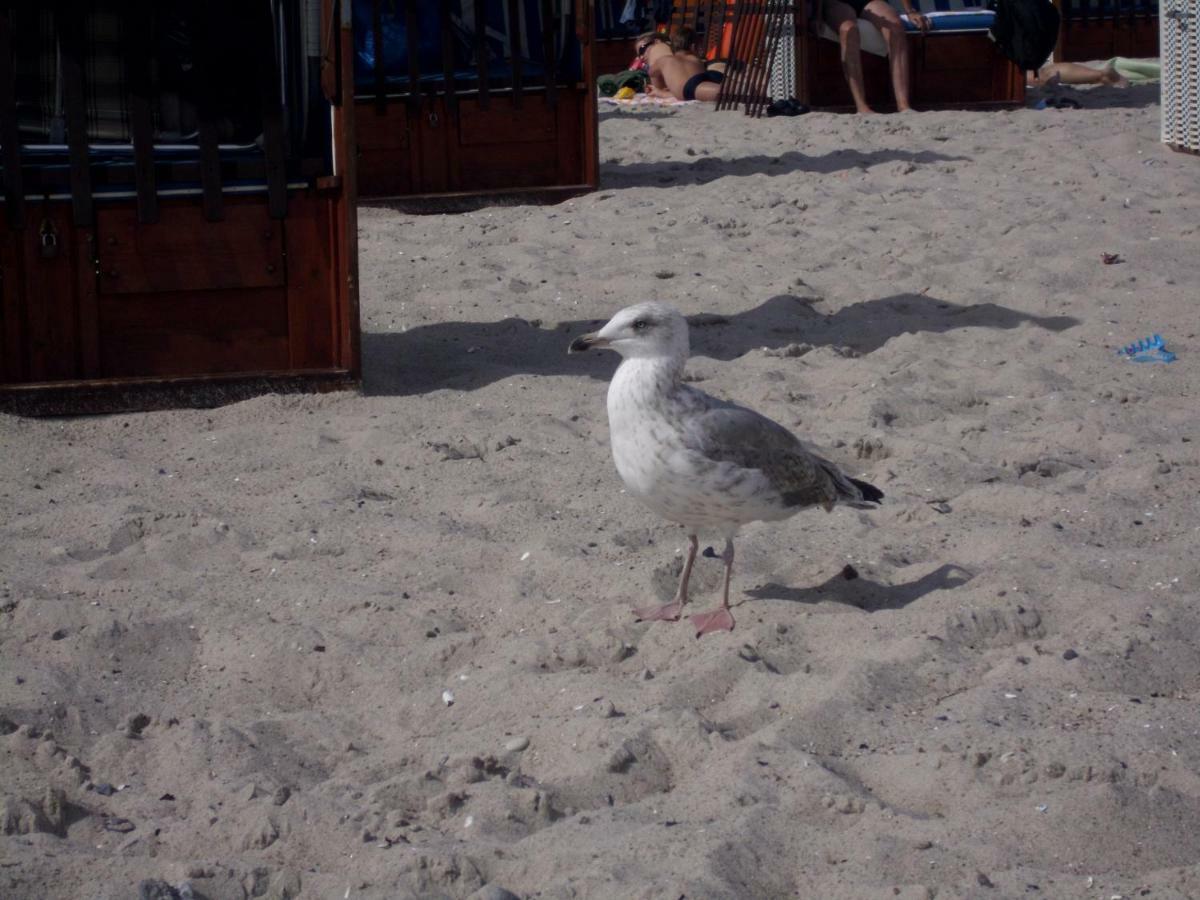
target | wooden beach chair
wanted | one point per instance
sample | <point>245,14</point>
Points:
<point>1181,75</point>
<point>467,97</point>
<point>182,232</point>
<point>1102,29</point>
<point>956,65</point>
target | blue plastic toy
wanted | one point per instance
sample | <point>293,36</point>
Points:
<point>1151,349</point>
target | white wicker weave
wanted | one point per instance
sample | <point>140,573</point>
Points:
<point>783,67</point>
<point>1179,39</point>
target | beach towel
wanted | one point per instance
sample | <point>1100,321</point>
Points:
<point>1138,71</point>
<point>643,101</point>
<point>610,84</point>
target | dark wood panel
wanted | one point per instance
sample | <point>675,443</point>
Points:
<point>185,252</point>
<point>88,298</point>
<point>504,122</point>
<point>434,132</point>
<point>194,333</point>
<point>947,71</point>
<point>310,236</point>
<point>509,165</point>
<point>12,357</point>
<point>49,293</point>
<point>1080,43</point>
<point>483,147</point>
<point>387,130</point>
<point>962,52</point>
<point>573,110</point>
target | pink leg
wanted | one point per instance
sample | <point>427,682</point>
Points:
<point>719,619</point>
<point>672,611</point>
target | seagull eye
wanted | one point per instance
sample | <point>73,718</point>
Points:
<point>641,325</point>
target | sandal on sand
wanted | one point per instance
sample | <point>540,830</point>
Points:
<point>788,107</point>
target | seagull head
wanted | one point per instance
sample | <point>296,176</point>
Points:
<point>646,331</point>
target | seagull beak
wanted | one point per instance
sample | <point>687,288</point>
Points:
<point>587,341</point>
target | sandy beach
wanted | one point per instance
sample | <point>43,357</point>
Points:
<point>380,645</point>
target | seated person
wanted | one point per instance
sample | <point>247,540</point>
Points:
<point>679,74</point>
<point>842,16</point>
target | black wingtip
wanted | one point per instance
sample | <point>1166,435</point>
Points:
<point>870,493</point>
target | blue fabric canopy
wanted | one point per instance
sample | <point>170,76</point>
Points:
<point>499,41</point>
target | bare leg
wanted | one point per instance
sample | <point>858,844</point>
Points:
<point>1074,73</point>
<point>708,91</point>
<point>883,17</point>
<point>719,619</point>
<point>672,611</point>
<point>841,19</point>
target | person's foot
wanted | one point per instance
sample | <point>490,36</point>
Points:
<point>1048,76</point>
<point>717,620</point>
<point>667,613</point>
<point>865,111</point>
<point>1113,78</point>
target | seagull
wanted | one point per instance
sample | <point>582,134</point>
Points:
<point>699,461</point>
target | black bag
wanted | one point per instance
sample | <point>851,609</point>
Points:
<point>1025,31</point>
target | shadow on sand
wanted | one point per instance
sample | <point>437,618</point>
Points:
<point>707,168</point>
<point>1133,97</point>
<point>466,356</point>
<point>867,595</point>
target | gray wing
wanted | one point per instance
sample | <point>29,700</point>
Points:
<point>742,437</point>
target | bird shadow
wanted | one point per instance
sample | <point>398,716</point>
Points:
<point>867,595</point>
<point>469,355</point>
<point>706,169</point>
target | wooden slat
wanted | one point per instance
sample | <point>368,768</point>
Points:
<point>727,100</point>
<point>380,54</point>
<point>726,95</point>
<point>481,62</point>
<point>274,149</point>
<point>480,46</point>
<point>447,27</point>
<point>514,48</point>
<point>550,51</point>
<point>773,29</point>
<point>414,53</point>
<point>12,332</point>
<point>14,199</point>
<point>207,39</point>
<point>138,38</point>
<point>312,288</point>
<point>345,213</point>
<point>69,24</point>
<point>89,303</point>
<point>331,86</point>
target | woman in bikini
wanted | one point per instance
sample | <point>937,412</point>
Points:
<point>843,15</point>
<point>679,74</point>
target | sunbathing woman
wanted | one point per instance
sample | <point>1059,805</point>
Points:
<point>681,74</point>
